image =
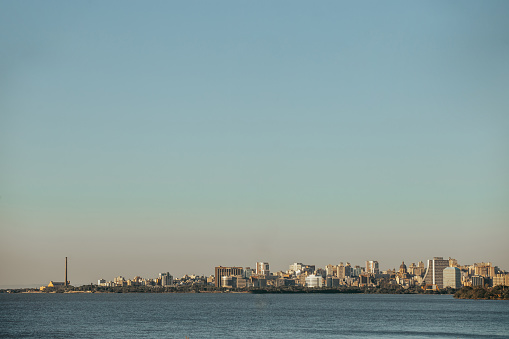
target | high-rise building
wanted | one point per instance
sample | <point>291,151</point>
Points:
<point>452,277</point>
<point>357,271</point>
<point>226,271</point>
<point>262,268</point>
<point>434,276</point>
<point>372,267</point>
<point>344,271</point>
<point>331,270</point>
<point>166,279</point>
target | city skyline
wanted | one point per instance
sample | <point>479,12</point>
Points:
<point>139,138</point>
<point>367,266</point>
<point>436,275</point>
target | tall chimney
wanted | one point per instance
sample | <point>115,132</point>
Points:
<point>65,271</point>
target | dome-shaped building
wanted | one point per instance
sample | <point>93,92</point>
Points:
<point>402,268</point>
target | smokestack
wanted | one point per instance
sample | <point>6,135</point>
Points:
<point>65,271</point>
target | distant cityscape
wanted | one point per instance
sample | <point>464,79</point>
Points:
<point>438,274</point>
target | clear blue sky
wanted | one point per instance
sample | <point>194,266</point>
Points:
<point>138,138</point>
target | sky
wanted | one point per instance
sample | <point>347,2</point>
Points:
<point>176,136</point>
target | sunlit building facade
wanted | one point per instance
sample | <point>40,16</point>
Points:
<point>452,277</point>
<point>434,276</point>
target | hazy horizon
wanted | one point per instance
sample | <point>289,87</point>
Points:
<point>138,138</point>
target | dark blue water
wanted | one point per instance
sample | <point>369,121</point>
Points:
<point>250,316</point>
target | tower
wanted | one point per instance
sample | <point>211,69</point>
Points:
<point>262,268</point>
<point>66,282</point>
<point>435,272</point>
<point>372,267</point>
<point>166,279</point>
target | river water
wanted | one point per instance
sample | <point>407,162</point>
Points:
<point>250,316</point>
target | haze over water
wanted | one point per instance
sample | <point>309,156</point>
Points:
<point>172,136</point>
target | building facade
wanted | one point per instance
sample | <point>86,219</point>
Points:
<point>262,268</point>
<point>166,279</point>
<point>434,276</point>
<point>501,279</point>
<point>314,281</point>
<point>452,277</point>
<point>372,267</point>
<point>226,271</point>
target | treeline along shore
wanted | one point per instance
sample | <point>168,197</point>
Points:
<point>212,289</point>
<point>488,293</point>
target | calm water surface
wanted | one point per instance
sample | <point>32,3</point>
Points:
<point>250,316</point>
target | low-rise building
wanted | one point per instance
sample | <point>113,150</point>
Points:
<point>56,284</point>
<point>476,281</point>
<point>314,281</point>
<point>501,279</point>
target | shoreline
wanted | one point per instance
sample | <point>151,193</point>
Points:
<point>477,293</point>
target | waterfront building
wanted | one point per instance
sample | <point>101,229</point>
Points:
<point>56,284</point>
<point>331,281</point>
<point>119,281</point>
<point>227,281</point>
<point>262,268</point>
<point>258,282</point>
<point>501,279</point>
<point>434,278</point>
<point>314,281</point>
<point>241,282</point>
<point>372,267</point>
<point>166,279</point>
<point>452,277</point>
<point>226,271</point>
